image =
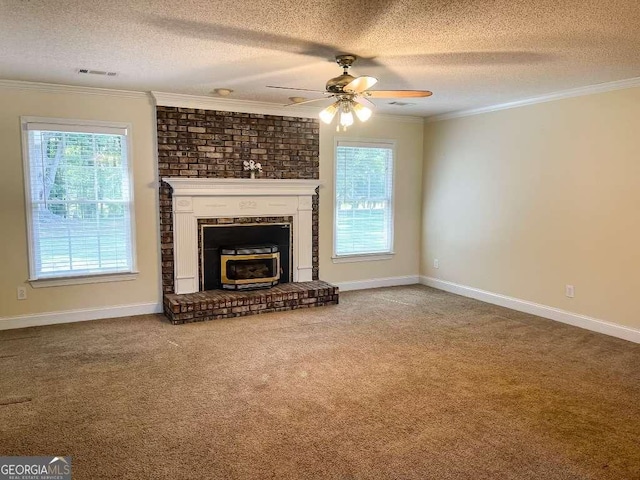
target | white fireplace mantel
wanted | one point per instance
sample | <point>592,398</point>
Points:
<point>196,198</point>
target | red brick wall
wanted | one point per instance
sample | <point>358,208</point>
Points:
<point>208,143</point>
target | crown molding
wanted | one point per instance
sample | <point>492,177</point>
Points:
<point>550,97</point>
<point>58,88</point>
<point>180,100</point>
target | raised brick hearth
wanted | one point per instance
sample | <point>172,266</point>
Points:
<point>217,304</point>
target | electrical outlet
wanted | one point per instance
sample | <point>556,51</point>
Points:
<point>22,293</point>
<point>569,291</point>
<point>436,263</point>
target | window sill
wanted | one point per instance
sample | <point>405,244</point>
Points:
<point>362,258</point>
<point>61,281</point>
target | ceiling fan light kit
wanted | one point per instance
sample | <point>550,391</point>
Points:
<point>350,92</point>
<point>346,108</point>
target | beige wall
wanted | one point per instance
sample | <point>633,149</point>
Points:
<point>139,111</point>
<point>407,184</point>
<point>523,201</point>
<point>13,251</point>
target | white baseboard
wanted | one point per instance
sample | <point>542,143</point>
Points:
<point>575,319</point>
<point>51,318</point>
<point>377,283</point>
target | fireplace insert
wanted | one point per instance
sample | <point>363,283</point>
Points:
<point>236,237</point>
<point>249,267</point>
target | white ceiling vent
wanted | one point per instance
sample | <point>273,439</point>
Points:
<point>87,71</point>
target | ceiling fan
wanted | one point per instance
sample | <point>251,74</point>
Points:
<point>352,95</point>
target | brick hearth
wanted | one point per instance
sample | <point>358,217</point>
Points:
<point>217,304</point>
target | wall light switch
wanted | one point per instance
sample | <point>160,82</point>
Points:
<point>569,291</point>
<point>436,263</point>
<point>22,293</point>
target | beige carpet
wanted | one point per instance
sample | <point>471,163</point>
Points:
<point>402,383</point>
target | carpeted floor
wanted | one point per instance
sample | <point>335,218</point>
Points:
<point>396,383</point>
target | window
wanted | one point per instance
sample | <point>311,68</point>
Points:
<point>78,197</point>
<point>363,199</point>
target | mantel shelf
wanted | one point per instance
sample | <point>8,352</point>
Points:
<point>241,186</point>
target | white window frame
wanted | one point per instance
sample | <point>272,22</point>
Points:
<point>364,142</point>
<point>88,126</point>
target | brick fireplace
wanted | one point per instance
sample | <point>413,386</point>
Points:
<point>202,198</point>
<point>201,154</point>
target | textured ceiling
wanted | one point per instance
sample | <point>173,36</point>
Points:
<point>470,53</point>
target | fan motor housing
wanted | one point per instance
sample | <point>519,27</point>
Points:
<point>337,84</point>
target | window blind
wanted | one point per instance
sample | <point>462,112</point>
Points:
<point>364,198</point>
<point>80,202</point>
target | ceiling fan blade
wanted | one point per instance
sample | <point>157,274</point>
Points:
<point>305,101</point>
<point>365,102</point>
<point>398,93</point>
<point>301,89</point>
<point>360,84</point>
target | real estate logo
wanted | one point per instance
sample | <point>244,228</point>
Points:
<point>35,468</point>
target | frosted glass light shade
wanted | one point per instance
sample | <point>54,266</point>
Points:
<point>362,112</point>
<point>346,118</point>
<point>328,113</point>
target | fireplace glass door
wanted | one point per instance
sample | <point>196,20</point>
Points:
<point>245,268</point>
